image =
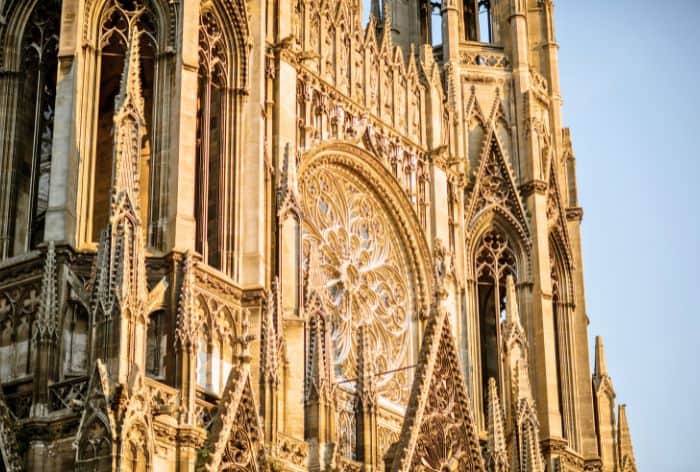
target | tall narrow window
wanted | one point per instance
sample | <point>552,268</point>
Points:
<point>470,20</point>
<point>485,22</point>
<point>119,19</point>
<point>34,125</point>
<point>494,262</point>
<point>211,98</point>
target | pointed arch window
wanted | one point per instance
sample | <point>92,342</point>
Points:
<point>495,260</point>
<point>485,21</point>
<point>211,168</point>
<point>33,124</point>
<point>119,19</point>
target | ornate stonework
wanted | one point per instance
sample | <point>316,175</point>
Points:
<point>264,236</point>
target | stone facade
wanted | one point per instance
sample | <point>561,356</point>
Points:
<point>245,235</point>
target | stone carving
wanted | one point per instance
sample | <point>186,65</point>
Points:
<point>364,276</point>
<point>236,437</point>
<point>494,188</point>
<point>439,432</point>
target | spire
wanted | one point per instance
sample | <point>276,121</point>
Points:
<point>128,130</point>
<point>366,382</point>
<point>270,337</point>
<point>120,285</point>
<point>187,315</point>
<point>374,9</point>
<point>47,317</point>
<point>601,369</point>
<point>512,311</point>
<point>624,442</point>
<point>288,193</point>
<point>497,452</point>
<point>439,426</point>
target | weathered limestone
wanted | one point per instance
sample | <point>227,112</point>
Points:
<point>325,246</point>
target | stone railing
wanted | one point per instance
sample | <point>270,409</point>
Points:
<point>483,56</point>
<point>292,452</point>
<point>69,394</point>
<point>204,409</point>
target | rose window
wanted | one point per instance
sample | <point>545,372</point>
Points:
<point>363,279</point>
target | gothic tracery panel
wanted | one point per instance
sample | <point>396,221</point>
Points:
<point>364,275</point>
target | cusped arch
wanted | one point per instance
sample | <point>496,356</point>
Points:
<point>232,18</point>
<point>374,263</point>
<point>358,161</point>
<point>497,219</point>
<point>17,14</point>
<point>163,11</point>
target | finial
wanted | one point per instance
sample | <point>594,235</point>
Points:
<point>512,311</point>
<point>624,441</point>
<point>496,435</point>
<point>601,368</point>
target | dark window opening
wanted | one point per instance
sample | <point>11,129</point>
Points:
<point>35,117</point>
<point>116,28</point>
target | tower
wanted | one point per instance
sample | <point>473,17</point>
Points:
<point>269,236</point>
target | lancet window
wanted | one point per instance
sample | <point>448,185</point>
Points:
<point>119,20</point>
<point>211,100</point>
<point>218,129</point>
<point>216,351</point>
<point>28,195</point>
<point>478,21</point>
<point>495,260</point>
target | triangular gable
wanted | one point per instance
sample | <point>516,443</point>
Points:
<point>439,431</point>
<point>498,113</point>
<point>97,435</point>
<point>556,216</point>
<point>495,189</point>
<point>473,109</point>
<point>236,432</point>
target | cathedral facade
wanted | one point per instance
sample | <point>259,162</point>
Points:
<point>279,236</point>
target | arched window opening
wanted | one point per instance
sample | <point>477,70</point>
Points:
<point>156,344</point>
<point>215,356</point>
<point>495,260</point>
<point>470,20</point>
<point>75,340</point>
<point>34,126</point>
<point>556,314</point>
<point>211,146</point>
<point>119,20</point>
<point>485,22</point>
<point>435,24</point>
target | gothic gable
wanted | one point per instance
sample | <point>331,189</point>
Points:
<point>494,188</point>
<point>236,437</point>
<point>97,430</point>
<point>439,432</point>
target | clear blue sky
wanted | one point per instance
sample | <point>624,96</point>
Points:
<point>629,74</point>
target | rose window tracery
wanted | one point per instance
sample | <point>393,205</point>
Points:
<point>363,279</point>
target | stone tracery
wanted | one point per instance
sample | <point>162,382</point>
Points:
<point>364,275</point>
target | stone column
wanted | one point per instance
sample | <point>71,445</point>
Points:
<point>252,254</point>
<point>183,135</point>
<point>62,212</point>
